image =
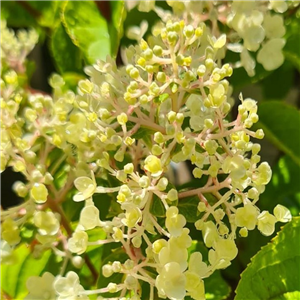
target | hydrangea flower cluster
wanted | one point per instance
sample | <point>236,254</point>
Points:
<point>170,103</point>
<point>254,26</point>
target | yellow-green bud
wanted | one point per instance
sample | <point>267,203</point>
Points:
<point>148,54</point>
<point>162,184</point>
<point>122,118</point>
<point>157,50</point>
<point>172,195</point>
<point>188,31</point>
<point>129,168</point>
<point>161,77</point>
<point>259,134</point>
<point>158,137</point>
<point>134,73</point>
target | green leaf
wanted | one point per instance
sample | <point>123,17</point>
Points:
<point>94,254</point>
<point>193,183</point>
<point>67,57</point>
<point>274,271</point>
<point>16,15</point>
<point>240,78</point>
<point>216,288</point>
<point>278,84</point>
<point>188,208</point>
<point>135,18</point>
<point>32,13</point>
<point>144,134</point>
<point>49,12</point>
<point>157,208</point>
<point>103,202</point>
<point>71,80</point>
<point>161,98</point>
<point>116,25</point>
<point>14,277</point>
<point>281,124</point>
<point>87,29</point>
<point>283,186</point>
<point>292,47</point>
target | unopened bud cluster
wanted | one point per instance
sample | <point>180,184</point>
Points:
<point>255,28</point>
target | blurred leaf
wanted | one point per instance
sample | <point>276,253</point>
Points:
<point>216,288</point>
<point>274,270</point>
<point>49,12</point>
<point>292,47</point>
<point>248,247</point>
<point>157,208</point>
<point>278,84</point>
<point>94,254</point>
<point>116,25</point>
<point>53,264</point>
<point>87,29</point>
<point>32,13</point>
<point>103,202</point>
<point>16,15</point>
<point>14,277</point>
<point>284,183</point>
<point>71,80</point>
<point>193,183</point>
<point>240,78</point>
<point>188,208</point>
<point>144,134</point>
<point>281,124</point>
<point>141,132</point>
<point>72,209</point>
<point>135,18</point>
<point>67,57</point>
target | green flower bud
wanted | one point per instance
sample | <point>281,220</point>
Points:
<point>129,68</point>
<point>201,70</point>
<point>122,118</point>
<point>156,150</point>
<point>56,81</point>
<point>157,50</point>
<point>158,137</point>
<point>148,54</point>
<point>141,62</point>
<point>144,181</point>
<point>129,168</point>
<point>259,134</point>
<point>201,206</point>
<point>188,31</point>
<point>149,68</point>
<point>172,195</point>
<point>243,232</point>
<point>161,77</point>
<point>154,89</point>
<point>197,173</point>
<point>134,73</point>
<point>143,99</point>
<point>162,184</point>
<point>11,77</point>
<point>198,32</point>
<point>39,193</point>
<point>107,270</point>
<point>171,116</point>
